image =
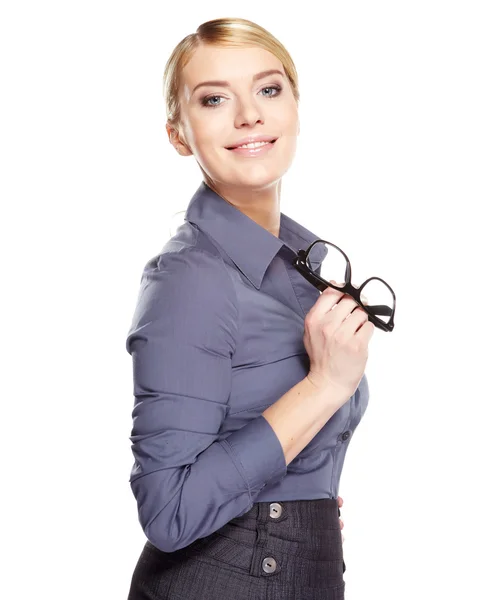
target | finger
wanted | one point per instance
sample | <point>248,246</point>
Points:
<point>342,523</point>
<point>327,300</point>
<point>363,298</point>
<point>339,312</point>
<point>341,308</point>
<point>366,331</point>
<point>340,501</point>
<point>353,322</point>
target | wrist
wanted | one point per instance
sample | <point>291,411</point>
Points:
<point>327,389</point>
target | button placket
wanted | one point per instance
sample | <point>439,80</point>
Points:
<point>269,563</point>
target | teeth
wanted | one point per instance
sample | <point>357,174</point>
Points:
<point>254,145</point>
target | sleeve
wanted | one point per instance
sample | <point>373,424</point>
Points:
<point>187,482</point>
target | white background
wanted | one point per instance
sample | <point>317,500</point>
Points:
<point>387,167</point>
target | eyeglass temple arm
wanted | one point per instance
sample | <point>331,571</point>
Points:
<point>380,309</point>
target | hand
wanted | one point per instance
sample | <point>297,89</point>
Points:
<point>340,502</point>
<point>336,337</point>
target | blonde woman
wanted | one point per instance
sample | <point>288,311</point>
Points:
<point>247,385</point>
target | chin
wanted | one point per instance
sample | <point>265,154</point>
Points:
<point>250,173</point>
<point>261,173</point>
<point>258,181</point>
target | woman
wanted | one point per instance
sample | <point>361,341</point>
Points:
<point>247,385</point>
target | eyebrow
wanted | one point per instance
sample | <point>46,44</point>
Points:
<point>256,77</point>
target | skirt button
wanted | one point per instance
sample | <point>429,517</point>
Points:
<point>269,565</point>
<point>275,510</point>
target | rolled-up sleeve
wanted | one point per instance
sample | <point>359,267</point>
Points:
<point>187,482</point>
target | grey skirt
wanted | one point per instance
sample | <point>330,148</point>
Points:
<point>286,550</point>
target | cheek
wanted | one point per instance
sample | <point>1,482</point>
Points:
<point>210,124</point>
<point>291,122</point>
<point>208,139</point>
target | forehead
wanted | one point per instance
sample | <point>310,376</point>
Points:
<point>231,64</point>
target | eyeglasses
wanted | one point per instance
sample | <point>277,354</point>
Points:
<point>335,265</point>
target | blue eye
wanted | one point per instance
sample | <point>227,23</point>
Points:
<point>205,101</point>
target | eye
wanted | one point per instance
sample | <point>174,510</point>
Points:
<point>206,101</point>
<point>273,87</point>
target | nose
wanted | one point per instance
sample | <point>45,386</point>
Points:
<point>248,113</point>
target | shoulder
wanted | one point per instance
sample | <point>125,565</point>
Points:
<point>187,288</point>
<point>188,277</point>
<point>190,258</point>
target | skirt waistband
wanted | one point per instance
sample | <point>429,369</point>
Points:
<point>296,534</point>
<point>323,513</point>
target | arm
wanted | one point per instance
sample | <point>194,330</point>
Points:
<point>186,483</point>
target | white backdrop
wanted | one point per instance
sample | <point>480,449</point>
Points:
<point>387,167</point>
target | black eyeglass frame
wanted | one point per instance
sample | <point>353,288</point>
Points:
<point>300,263</point>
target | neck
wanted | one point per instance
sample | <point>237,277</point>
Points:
<point>261,205</point>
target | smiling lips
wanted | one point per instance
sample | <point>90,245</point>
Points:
<point>256,148</point>
<point>252,139</point>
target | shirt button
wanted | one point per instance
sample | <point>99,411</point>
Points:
<point>345,435</point>
<point>269,565</point>
<point>275,510</point>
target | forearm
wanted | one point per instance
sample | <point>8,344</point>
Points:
<point>186,493</point>
<point>300,414</point>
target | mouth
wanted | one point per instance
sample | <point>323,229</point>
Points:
<point>252,147</point>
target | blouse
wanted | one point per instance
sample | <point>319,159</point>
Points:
<point>216,338</point>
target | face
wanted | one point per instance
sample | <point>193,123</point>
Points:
<point>215,117</point>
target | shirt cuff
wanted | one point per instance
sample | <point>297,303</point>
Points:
<point>257,452</point>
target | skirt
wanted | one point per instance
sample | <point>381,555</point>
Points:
<point>286,550</point>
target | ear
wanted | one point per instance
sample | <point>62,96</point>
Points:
<point>176,140</point>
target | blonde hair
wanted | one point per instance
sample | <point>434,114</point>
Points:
<point>227,32</point>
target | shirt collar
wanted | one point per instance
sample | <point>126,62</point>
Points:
<point>250,246</point>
